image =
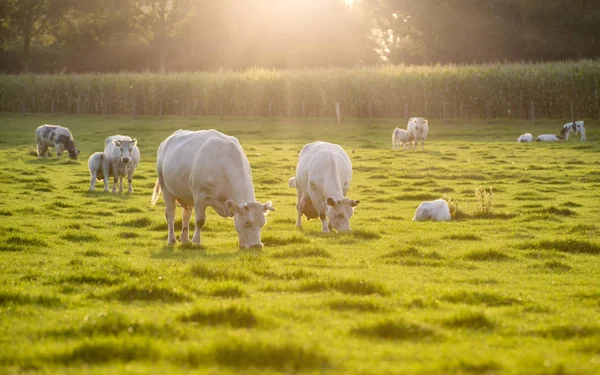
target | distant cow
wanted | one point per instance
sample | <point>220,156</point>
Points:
<point>322,180</point>
<point>198,169</point>
<point>401,137</point>
<point>55,136</point>
<point>96,168</point>
<point>436,210</point>
<point>577,127</point>
<point>549,138</point>
<point>418,128</point>
<point>122,156</point>
<point>525,138</point>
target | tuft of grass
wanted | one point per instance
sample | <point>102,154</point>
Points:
<point>487,256</point>
<point>141,222</point>
<point>233,316</point>
<point>106,350</point>
<point>293,275</point>
<point>79,237</point>
<point>89,279</point>
<point>571,204</point>
<point>284,357</point>
<point>363,234</point>
<point>463,237</point>
<point>203,272</point>
<point>396,330</point>
<point>8,298</point>
<point>305,252</point>
<point>354,305</point>
<point>227,291</point>
<point>568,332</point>
<point>25,241</point>
<point>274,240</point>
<point>346,286</point>
<point>470,320</point>
<point>93,253</point>
<point>479,298</point>
<point>128,234</point>
<point>412,252</point>
<point>557,211</point>
<point>566,246</point>
<point>6,213</point>
<point>130,293</point>
<point>417,197</point>
<point>553,266</point>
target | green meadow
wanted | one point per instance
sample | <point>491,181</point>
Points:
<point>89,285</point>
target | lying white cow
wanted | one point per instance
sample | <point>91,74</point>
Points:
<point>436,210</point>
<point>205,168</point>
<point>418,128</point>
<point>322,180</point>
<point>548,138</point>
<point>578,127</point>
<point>527,137</point>
<point>122,156</point>
<point>96,168</point>
<point>55,136</point>
<point>401,137</point>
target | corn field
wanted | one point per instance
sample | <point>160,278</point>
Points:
<point>549,90</point>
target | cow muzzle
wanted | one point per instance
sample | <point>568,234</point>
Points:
<point>125,160</point>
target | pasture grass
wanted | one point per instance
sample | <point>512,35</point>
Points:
<point>89,285</point>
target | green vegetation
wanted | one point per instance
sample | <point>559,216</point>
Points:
<point>89,285</point>
<point>446,91</point>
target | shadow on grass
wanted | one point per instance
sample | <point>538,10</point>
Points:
<point>565,246</point>
<point>479,298</point>
<point>396,330</point>
<point>470,320</point>
<point>231,316</point>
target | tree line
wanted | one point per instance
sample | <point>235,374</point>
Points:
<point>189,35</point>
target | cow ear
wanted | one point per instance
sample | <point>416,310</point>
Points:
<point>134,142</point>
<point>330,202</point>
<point>267,207</point>
<point>116,142</point>
<point>232,206</point>
<point>354,203</point>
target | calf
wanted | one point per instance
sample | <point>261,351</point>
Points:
<point>436,210</point>
<point>121,157</point>
<point>526,138</point>
<point>322,180</point>
<point>96,168</point>
<point>577,127</point>
<point>418,128</point>
<point>401,137</point>
<point>55,136</point>
<point>549,138</point>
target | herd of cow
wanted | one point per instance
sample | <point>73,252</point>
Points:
<point>198,169</point>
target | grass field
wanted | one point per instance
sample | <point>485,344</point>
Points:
<point>87,283</point>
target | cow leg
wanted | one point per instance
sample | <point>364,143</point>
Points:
<point>299,218</point>
<point>129,180</point>
<point>324,224</point>
<point>170,215</point>
<point>120,184</point>
<point>106,174</point>
<point>319,202</point>
<point>423,145</point>
<point>42,150</point>
<point>185,224</point>
<point>115,181</point>
<point>58,149</point>
<point>93,181</point>
<point>200,208</point>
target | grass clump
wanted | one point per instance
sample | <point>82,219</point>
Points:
<point>232,316</point>
<point>79,237</point>
<point>412,252</point>
<point>217,274</point>
<point>462,237</point>
<point>479,298</point>
<point>303,252</point>
<point>470,320</point>
<point>346,286</point>
<point>396,330</point>
<point>130,293</point>
<point>271,240</point>
<point>565,246</point>
<point>108,350</point>
<point>8,298</point>
<point>568,332</point>
<point>227,291</point>
<point>141,222</point>
<point>552,266</point>
<point>484,201</point>
<point>487,256</point>
<point>284,357</point>
<point>25,241</point>
<point>354,305</point>
<point>89,279</point>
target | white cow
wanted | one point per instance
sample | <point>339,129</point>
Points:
<point>96,168</point>
<point>578,127</point>
<point>418,128</point>
<point>526,138</point>
<point>549,138</point>
<point>55,136</point>
<point>322,180</point>
<point>198,169</point>
<point>436,210</point>
<point>401,137</point>
<point>122,156</point>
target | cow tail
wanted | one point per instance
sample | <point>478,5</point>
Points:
<point>155,193</point>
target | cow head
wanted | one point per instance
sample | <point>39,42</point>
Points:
<point>339,213</point>
<point>248,220</point>
<point>125,147</point>
<point>73,152</point>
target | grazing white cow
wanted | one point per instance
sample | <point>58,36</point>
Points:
<point>122,156</point>
<point>525,138</point>
<point>198,169</point>
<point>96,168</point>
<point>418,128</point>
<point>55,136</point>
<point>401,137</point>
<point>436,210</point>
<point>549,138</point>
<point>322,180</point>
<point>577,127</point>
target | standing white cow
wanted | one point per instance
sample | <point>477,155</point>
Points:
<point>322,180</point>
<point>418,128</point>
<point>401,137</point>
<point>198,169</point>
<point>578,127</point>
<point>121,157</point>
<point>55,136</point>
<point>436,210</point>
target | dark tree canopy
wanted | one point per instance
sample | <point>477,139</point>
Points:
<point>188,35</point>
